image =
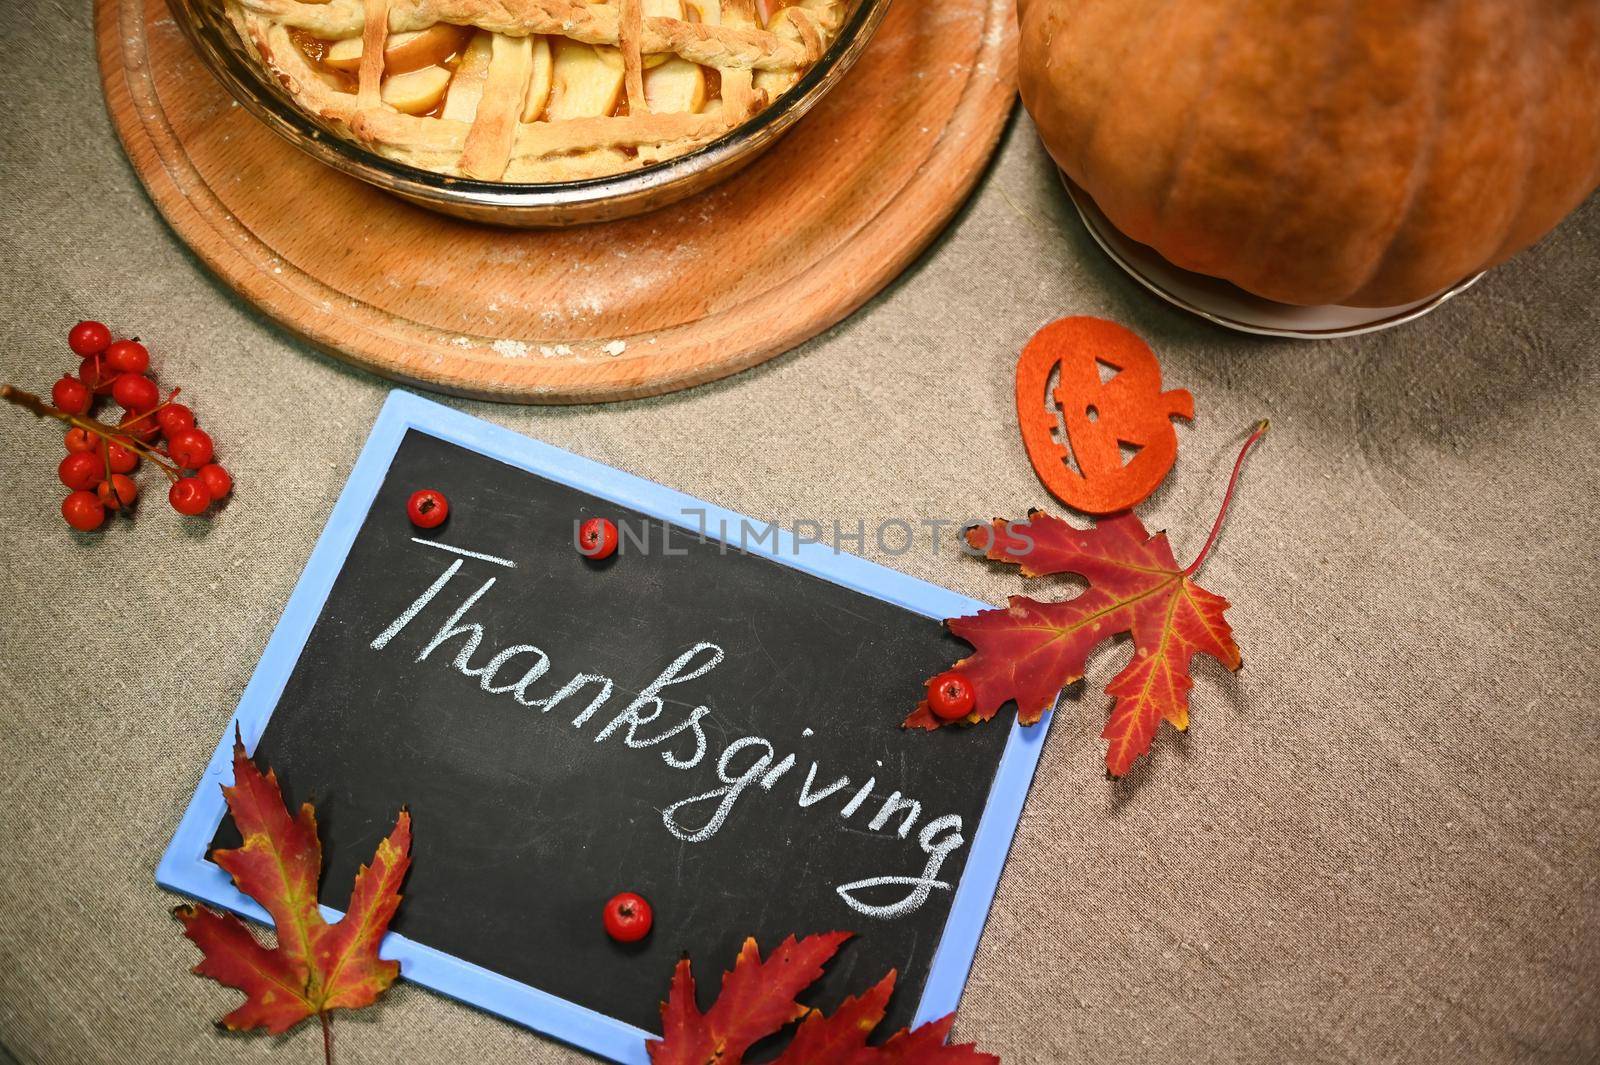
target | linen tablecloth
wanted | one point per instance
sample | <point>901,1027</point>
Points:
<point>1376,843</point>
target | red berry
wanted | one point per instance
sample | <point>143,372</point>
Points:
<point>71,395</point>
<point>94,373</point>
<point>597,539</point>
<point>81,471</point>
<point>950,695</point>
<point>128,356</point>
<point>83,511</point>
<point>174,418</point>
<point>191,448</point>
<point>81,440</point>
<point>188,495</point>
<point>118,492</point>
<point>123,460</point>
<point>218,481</point>
<point>426,508</point>
<point>628,917</point>
<point>135,392</point>
<point>89,338</point>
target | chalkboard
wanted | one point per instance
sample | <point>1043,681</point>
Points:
<point>708,718</point>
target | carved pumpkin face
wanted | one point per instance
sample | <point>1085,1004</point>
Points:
<point>1119,441</point>
<point>1313,153</point>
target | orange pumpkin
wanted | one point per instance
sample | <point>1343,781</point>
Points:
<point>1365,152</point>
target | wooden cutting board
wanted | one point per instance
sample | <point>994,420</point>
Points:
<point>690,293</point>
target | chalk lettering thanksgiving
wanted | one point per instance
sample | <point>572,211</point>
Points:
<point>646,722</point>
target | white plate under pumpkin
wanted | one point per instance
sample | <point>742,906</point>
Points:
<point>1229,305</point>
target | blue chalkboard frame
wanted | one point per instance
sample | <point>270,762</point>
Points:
<point>184,867</point>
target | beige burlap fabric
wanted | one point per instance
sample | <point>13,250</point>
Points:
<point>1377,843</point>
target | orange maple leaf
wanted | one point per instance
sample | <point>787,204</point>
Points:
<point>1031,650</point>
<point>316,967</point>
<point>758,999</point>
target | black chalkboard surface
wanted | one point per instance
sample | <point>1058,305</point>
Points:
<point>688,737</point>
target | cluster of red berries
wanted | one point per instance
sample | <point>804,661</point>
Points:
<point>101,455</point>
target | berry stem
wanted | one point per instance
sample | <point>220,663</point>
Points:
<point>150,453</point>
<point>32,402</point>
<point>140,447</point>
<point>151,413</point>
<point>111,434</point>
<point>1227,496</point>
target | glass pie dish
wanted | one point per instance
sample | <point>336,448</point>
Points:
<point>689,102</point>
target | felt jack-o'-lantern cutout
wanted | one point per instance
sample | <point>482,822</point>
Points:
<point>1096,424</point>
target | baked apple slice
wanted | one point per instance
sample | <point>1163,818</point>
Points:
<point>538,96</point>
<point>674,86</point>
<point>403,52</point>
<point>776,82</point>
<point>659,9</point>
<point>586,80</point>
<point>416,92</point>
<point>466,88</point>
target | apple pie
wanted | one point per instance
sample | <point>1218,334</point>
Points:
<point>536,90</point>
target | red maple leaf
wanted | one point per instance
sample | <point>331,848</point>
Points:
<point>758,999</point>
<point>316,967</point>
<point>1031,650</point>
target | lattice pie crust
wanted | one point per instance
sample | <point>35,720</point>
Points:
<point>536,90</point>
